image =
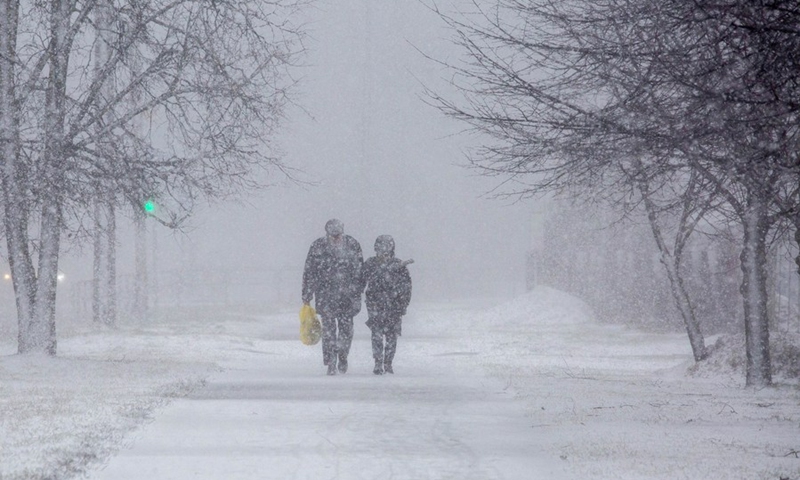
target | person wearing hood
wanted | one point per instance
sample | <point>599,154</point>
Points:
<point>332,277</point>
<point>388,293</point>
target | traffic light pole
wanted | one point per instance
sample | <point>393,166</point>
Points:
<point>140,286</point>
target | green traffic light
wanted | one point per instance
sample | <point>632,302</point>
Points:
<point>149,206</point>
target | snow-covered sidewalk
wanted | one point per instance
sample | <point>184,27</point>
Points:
<point>280,417</point>
<point>530,388</point>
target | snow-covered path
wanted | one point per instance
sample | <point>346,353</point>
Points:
<point>530,388</point>
<point>278,416</point>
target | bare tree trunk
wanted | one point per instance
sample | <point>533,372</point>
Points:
<point>97,265</point>
<point>111,267</point>
<point>22,271</point>
<point>40,334</point>
<point>672,264</point>
<point>754,291</point>
<point>16,208</point>
<point>43,327</point>
<point>679,294</point>
<point>19,259</point>
<point>22,275</point>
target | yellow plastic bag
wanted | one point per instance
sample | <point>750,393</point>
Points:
<point>310,328</point>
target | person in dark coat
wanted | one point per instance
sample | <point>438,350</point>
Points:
<point>332,277</point>
<point>388,288</point>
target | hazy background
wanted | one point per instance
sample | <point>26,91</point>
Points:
<point>366,148</point>
<point>368,151</point>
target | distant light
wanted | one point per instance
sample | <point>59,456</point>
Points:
<point>149,206</point>
<point>7,276</point>
<point>60,277</point>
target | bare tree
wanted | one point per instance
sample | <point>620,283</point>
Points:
<point>207,78</point>
<point>694,205</point>
<point>534,82</point>
<point>583,97</point>
<point>738,125</point>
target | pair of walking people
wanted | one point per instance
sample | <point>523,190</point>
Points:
<point>335,276</point>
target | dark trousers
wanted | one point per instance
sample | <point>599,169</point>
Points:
<point>384,344</point>
<point>337,336</point>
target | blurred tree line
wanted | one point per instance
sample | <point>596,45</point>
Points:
<point>615,267</point>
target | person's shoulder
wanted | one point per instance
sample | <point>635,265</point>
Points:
<point>318,243</point>
<point>400,266</point>
<point>351,241</point>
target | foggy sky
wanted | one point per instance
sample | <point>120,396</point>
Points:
<point>372,154</point>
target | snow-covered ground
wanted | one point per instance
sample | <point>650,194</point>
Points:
<point>530,388</point>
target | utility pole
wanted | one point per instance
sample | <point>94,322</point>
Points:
<point>140,268</point>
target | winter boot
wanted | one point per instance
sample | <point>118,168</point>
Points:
<point>332,367</point>
<point>387,367</point>
<point>342,365</point>
<point>378,370</point>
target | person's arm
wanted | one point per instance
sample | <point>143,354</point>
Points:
<point>364,276</point>
<point>361,279</point>
<point>404,289</point>
<point>360,268</point>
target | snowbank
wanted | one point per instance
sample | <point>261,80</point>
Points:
<point>63,415</point>
<point>616,403</point>
<point>727,359</point>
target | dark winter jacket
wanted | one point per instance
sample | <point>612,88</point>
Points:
<point>332,276</point>
<point>388,285</point>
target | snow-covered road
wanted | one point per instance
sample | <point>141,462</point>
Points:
<point>278,416</point>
